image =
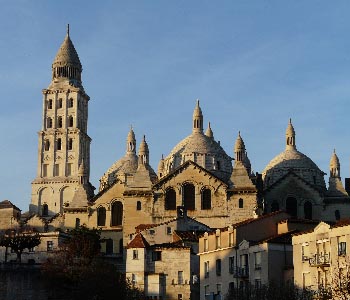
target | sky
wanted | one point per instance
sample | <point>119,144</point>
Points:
<point>252,64</point>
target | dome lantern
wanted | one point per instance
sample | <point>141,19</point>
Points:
<point>197,119</point>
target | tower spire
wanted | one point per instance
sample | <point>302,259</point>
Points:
<point>334,166</point>
<point>197,119</point>
<point>68,29</point>
<point>131,142</point>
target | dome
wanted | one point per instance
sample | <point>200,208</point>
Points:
<point>201,149</point>
<point>292,159</point>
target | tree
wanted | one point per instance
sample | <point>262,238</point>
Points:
<point>18,240</point>
<point>78,271</point>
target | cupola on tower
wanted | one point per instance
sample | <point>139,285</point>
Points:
<point>63,144</point>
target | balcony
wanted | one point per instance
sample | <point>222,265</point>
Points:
<point>241,272</point>
<point>320,260</point>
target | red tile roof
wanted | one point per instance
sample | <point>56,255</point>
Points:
<point>138,242</point>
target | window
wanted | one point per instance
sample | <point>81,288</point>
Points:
<point>257,256</point>
<point>156,255</point>
<point>218,267</point>
<point>231,286</point>
<point>69,169</point>
<point>45,211</point>
<point>57,170</point>
<point>231,264</point>
<point>342,248</point>
<point>70,121</point>
<point>77,222</point>
<point>101,216</point>
<point>70,102</point>
<point>170,199</point>
<point>135,254</point>
<point>109,246</point>
<point>308,210</point>
<point>217,242</point>
<point>45,170</point>
<point>218,288</point>
<point>180,277</point>
<point>168,230</point>
<point>206,269</point>
<point>49,245</point>
<point>337,215</point>
<point>133,278</point>
<point>206,289</point>
<point>59,103</point>
<point>218,166</point>
<point>151,232</point>
<point>70,144</point>
<point>206,245</point>
<point>230,239</point>
<point>189,196</point>
<point>206,199</point>
<point>59,122</point>
<point>138,205</point>
<point>179,297</point>
<point>59,144</point>
<point>257,283</point>
<point>47,145</point>
<point>291,206</point>
<point>49,122</point>
<point>240,203</point>
<point>117,213</point>
<point>305,252</point>
<point>49,104</point>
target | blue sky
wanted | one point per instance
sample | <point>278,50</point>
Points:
<point>252,64</point>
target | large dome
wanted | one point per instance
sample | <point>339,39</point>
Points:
<point>200,148</point>
<point>293,160</point>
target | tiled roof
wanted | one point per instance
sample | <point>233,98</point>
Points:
<point>189,236</point>
<point>8,204</point>
<point>138,242</point>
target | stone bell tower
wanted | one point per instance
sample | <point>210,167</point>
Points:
<point>64,144</point>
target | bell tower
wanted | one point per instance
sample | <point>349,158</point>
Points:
<point>63,143</point>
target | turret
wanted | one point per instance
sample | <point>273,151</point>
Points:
<point>197,119</point>
<point>143,153</point>
<point>290,136</point>
<point>161,167</point>
<point>239,149</point>
<point>131,142</point>
<point>209,132</point>
<point>334,166</point>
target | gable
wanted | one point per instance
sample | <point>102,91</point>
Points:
<point>189,172</point>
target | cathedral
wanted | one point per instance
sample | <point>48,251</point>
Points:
<point>197,179</point>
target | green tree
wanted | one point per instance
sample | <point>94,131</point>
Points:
<point>18,240</point>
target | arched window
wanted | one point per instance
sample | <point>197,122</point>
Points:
<point>59,103</point>
<point>70,121</point>
<point>206,199</point>
<point>275,206</point>
<point>47,145</point>
<point>70,144</point>
<point>49,122</point>
<point>109,246</point>
<point>189,196</point>
<point>49,104</point>
<point>292,206</point>
<point>70,102</point>
<point>308,210</point>
<point>45,211</point>
<point>337,215</point>
<point>240,203</point>
<point>101,216</point>
<point>170,199</point>
<point>138,205</point>
<point>59,122</point>
<point>117,213</point>
<point>77,223</point>
<point>59,144</point>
